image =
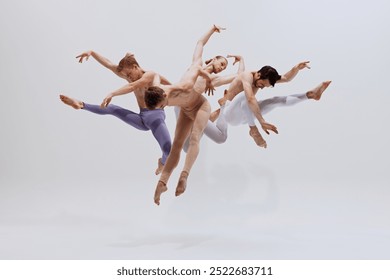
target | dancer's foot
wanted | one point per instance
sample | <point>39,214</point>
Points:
<point>160,166</point>
<point>222,100</point>
<point>72,102</point>
<point>214,115</point>
<point>182,184</point>
<point>161,187</point>
<point>317,91</point>
<point>259,140</point>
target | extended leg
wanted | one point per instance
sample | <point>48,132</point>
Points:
<point>125,115</point>
<point>268,105</point>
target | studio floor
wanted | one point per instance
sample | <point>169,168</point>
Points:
<point>258,220</point>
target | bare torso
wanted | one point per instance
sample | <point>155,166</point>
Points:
<point>139,95</point>
<point>145,81</point>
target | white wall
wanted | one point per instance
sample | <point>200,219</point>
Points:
<point>322,178</point>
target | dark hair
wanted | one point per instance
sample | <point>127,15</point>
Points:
<point>217,57</point>
<point>153,96</point>
<point>270,73</point>
<point>128,61</point>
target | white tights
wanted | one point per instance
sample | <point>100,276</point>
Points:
<point>237,112</point>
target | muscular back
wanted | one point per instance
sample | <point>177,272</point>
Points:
<point>187,93</point>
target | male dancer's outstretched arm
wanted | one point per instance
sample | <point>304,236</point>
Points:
<point>252,103</point>
<point>145,81</point>
<point>110,65</point>
<point>102,60</point>
<point>287,77</point>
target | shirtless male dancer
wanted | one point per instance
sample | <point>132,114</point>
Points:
<point>194,113</point>
<point>138,80</point>
<point>237,111</point>
<point>250,82</point>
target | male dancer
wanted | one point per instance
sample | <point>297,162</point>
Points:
<point>250,82</point>
<point>237,111</point>
<point>138,79</point>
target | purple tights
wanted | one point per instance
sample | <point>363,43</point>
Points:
<point>153,120</point>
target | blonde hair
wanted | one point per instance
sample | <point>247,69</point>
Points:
<point>217,57</point>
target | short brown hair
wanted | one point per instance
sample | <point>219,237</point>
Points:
<point>153,96</point>
<point>270,73</point>
<point>128,61</point>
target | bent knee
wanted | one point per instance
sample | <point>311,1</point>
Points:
<point>167,148</point>
<point>221,140</point>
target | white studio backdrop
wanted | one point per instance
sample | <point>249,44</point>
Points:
<point>75,185</point>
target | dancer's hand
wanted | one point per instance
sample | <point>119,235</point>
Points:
<point>106,101</point>
<point>218,28</point>
<point>209,88</point>
<point>303,65</point>
<point>209,85</point>
<point>267,126</point>
<point>85,55</point>
<point>237,58</point>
